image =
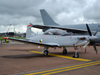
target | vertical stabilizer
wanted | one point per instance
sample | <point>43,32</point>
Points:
<point>29,32</point>
<point>47,20</point>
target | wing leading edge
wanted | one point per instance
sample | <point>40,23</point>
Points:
<point>35,43</point>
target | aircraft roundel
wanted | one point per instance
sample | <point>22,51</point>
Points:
<point>55,37</point>
<point>40,40</point>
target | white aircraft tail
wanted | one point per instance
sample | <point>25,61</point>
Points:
<point>47,20</point>
<point>29,32</point>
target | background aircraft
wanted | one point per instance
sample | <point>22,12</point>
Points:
<point>79,29</point>
<point>57,38</point>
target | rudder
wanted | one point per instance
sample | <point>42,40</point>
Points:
<point>29,32</point>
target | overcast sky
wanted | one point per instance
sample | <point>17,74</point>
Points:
<point>21,13</point>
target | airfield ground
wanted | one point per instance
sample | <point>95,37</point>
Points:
<point>19,59</point>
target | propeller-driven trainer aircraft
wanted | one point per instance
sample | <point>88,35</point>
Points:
<point>57,38</point>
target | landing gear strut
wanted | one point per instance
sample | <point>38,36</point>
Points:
<point>76,55</point>
<point>64,50</point>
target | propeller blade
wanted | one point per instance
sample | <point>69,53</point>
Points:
<point>95,33</point>
<point>89,30</point>
<point>94,47</point>
<point>86,44</point>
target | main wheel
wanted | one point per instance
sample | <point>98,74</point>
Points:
<point>76,55</point>
<point>46,52</point>
<point>64,51</point>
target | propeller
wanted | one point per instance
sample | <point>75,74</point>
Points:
<point>95,33</point>
<point>93,43</point>
<point>95,47</point>
<point>89,30</point>
<point>86,44</point>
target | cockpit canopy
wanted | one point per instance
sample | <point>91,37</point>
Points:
<point>55,32</point>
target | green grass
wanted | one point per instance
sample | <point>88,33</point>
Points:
<point>18,37</point>
<point>1,37</point>
<point>13,37</point>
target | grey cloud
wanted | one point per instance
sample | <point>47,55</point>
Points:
<point>22,7</point>
<point>62,11</point>
<point>93,12</point>
<point>19,11</point>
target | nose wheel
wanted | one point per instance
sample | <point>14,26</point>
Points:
<point>76,55</point>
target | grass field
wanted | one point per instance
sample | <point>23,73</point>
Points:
<point>13,37</point>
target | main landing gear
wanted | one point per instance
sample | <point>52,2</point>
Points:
<point>45,51</point>
<point>76,55</point>
<point>64,50</point>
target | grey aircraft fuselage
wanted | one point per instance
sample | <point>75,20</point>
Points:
<point>62,41</point>
<point>93,27</point>
<point>61,38</point>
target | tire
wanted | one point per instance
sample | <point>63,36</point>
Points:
<point>64,51</point>
<point>76,55</point>
<point>45,52</point>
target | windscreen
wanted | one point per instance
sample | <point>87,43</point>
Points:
<point>55,32</point>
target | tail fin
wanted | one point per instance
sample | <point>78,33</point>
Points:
<point>29,32</point>
<point>47,20</point>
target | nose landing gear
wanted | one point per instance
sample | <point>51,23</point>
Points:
<point>76,55</point>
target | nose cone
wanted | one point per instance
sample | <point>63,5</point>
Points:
<point>93,38</point>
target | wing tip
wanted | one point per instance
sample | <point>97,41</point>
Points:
<point>28,25</point>
<point>5,38</point>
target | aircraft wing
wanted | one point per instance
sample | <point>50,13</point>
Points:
<point>59,27</point>
<point>35,43</point>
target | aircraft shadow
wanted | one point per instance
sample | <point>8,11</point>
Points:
<point>23,49</point>
<point>69,53</point>
<point>27,56</point>
<point>35,55</point>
